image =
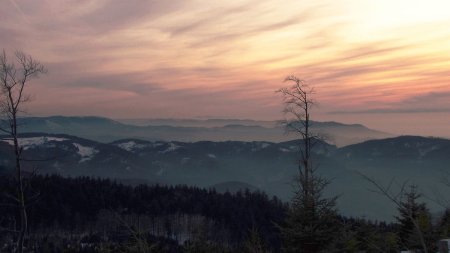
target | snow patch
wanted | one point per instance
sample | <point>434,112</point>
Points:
<point>31,142</point>
<point>130,146</point>
<point>212,156</point>
<point>157,144</point>
<point>265,145</point>
<point>86,153</point>
<point>259,146</point>
<point>172,147</point>
<point>134,146</point>
<point>423,152</point>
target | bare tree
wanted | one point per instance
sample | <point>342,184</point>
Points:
<point>311,222</point>
<point>298,103</point>
<point>14,77</point>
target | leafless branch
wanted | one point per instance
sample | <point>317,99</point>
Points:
<point>13,80</point>
<point>396,198</point>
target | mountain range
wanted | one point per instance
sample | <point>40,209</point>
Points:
<point>108,130</point>
<point>258,165</point>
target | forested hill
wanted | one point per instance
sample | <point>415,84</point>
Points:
<point>269,167</point>
<point>70,207</point>
<point>99,215</point>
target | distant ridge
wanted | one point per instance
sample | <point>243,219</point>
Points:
<point>216,122</point>
<point>405,147</point>
<point>189,130</point>
<point>235,165</point>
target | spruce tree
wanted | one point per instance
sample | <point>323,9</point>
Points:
<point>414,222</point>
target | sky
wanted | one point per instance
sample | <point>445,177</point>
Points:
<point>384,63</point>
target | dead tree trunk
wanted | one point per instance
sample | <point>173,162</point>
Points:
<point>13,81</point>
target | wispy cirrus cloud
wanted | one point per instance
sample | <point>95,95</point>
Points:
<point>432,102</point>
<point>182,58</point>
<point>394,110</point>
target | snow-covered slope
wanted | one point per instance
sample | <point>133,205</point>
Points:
<point>265,165</point>
<point>70,155</point>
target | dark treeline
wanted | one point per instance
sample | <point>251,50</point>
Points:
<point>76,207</point>
<point>100,215</point>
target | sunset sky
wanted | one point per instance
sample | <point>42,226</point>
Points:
<point>384,63</point>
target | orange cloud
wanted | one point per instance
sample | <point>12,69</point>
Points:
<point>193,58</point>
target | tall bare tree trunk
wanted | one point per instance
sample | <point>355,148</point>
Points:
<point>311,222</point>
<point>20,193</point>
<point>13,80</point>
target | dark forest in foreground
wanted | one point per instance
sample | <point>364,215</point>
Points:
<point>100,215</point>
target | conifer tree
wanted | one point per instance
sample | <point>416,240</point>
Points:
<point>414,222</point>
